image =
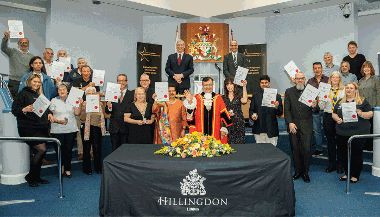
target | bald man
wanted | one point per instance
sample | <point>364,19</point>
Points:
<point>233,60</point>
<point>18,61</point>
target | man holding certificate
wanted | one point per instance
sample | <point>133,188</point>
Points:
<point>118,129</point>
<point>265,106</point>
<point>317,116</point>
<point>233,60</point>
<point>299,119</point>
<point>85,81</point>
<point>352,114</point>
<point>18,61</point>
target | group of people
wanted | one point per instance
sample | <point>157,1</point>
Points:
<point>137,117</point>
<point>354,81</point>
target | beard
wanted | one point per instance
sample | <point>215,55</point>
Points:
<point>300,86</point>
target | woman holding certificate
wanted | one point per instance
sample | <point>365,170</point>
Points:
<point>171,118</point>
<point>327,105</point>
<point>233,100</point>
<point>64,126</point>
<point>351,114</point>
<point>30,124</point>
<point>93,128</point>
<point>139,115</point>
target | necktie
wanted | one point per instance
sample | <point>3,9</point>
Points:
<point>235,60</point>
<point>121,96</point>
<point>179,59</point>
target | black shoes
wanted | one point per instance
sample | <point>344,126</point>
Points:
<point>30,182</point>
<point>330,169</point>
<point>318,153</point>
<point>88,173</point>
<point>98,172</point>
<point>296,176</point>
<point>343,179</point>
<point>41,181</point>
<point>352,181</point>
<point>306,178</point>
<point>68,176</point>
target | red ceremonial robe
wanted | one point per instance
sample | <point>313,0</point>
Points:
<point>218,112</point>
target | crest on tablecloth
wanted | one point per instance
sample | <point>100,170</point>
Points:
<point>193,184</point>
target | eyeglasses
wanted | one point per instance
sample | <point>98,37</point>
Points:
<point>120,80</point>
<point>207,85</point>
<point>300,78</point>
<point>144,80</point>
<point>23,42</point>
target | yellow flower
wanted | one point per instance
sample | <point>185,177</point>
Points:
<point>171,154</point>
<point>207,142</point>
<point>178,150</point>
<point>174,144</point>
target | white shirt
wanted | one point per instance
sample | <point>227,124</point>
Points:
<point>179,54</point>
<point>48,67</point>
<point>63,110</point>
<point>234,56</point>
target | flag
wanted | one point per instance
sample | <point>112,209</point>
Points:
<point>176,39</point>
<point>232,35</point>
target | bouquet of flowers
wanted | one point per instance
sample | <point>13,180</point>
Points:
<point>196,145</point>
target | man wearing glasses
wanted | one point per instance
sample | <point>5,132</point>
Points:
<point>317,116</point>
<point>179,67</point>
<point>299,119</point>
<point>18,61</point>
<point>118,129</point>
<point>233,60</point>
<point>145,83</point>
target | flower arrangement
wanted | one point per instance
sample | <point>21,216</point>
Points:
<point>196,145</point>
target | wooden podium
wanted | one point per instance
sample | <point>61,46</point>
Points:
<point>206,42</point>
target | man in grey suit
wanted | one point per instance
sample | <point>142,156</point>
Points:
<point>233,60</point>
<point>299,119</point>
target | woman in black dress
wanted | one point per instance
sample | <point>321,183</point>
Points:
<point>233,100</point>
<point>139,115</point>
<point>31,125</point>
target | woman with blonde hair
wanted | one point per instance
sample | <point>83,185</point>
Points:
<point>345,130</point>
<point>140,117</point>
<point>336,92</point>
<point>31,125</point>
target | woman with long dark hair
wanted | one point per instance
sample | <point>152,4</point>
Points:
<point>233,100</point>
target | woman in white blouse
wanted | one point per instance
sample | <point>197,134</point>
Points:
<point>64,126</point>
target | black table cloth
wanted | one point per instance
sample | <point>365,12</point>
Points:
<point>256,180</point>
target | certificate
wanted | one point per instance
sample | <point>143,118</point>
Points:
<point>269,97</point>
<point>240,76</point>
<point>98,77</point>
<point>40,105</point>
<point>324,91</point>
<point>57,70</point>
<point>349,112</point>
<point>308,95</point>
<point>92,104</point>
<point>291,69</point>
<point>112,92</point>
<point>16,29</point>
<point>67,62</point>
<point>162,91</point>
<point>73,97</point>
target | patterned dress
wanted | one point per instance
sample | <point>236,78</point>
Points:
<point>236,132</point>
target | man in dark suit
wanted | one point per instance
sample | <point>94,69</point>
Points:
<point>299,119</point>
<point>118,128</point>
<point>179,67</point>
<point>265,128</point>
<point>233,60</point>
<point>145,83</point>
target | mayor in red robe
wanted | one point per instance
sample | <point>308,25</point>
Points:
<point>207,112</point>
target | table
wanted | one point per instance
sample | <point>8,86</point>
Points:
<point>256,180</point>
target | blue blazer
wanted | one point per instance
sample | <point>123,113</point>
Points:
<point>50,90</point>
<point>186,68</point>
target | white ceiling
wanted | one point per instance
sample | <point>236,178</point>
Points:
<point>221,9</point>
